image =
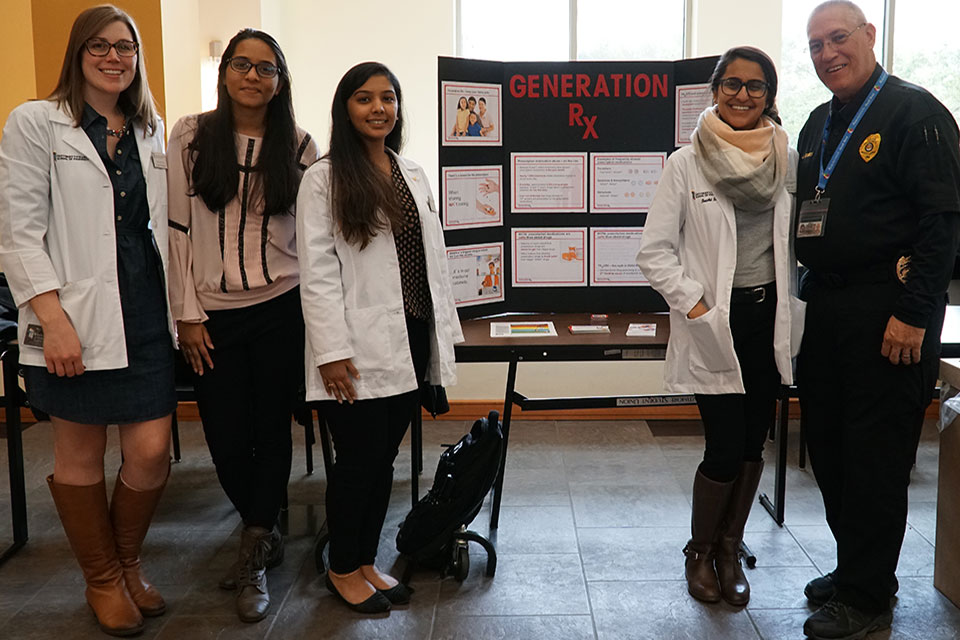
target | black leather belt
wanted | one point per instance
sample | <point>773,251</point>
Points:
<point>754,295</point>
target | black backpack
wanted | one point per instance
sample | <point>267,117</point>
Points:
<point>465,473</point>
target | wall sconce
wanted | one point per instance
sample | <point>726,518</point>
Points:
<point>209,70</point>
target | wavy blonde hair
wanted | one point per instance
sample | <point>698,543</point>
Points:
<point>68,94</point>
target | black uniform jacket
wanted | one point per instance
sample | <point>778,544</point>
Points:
<point>895,192</point>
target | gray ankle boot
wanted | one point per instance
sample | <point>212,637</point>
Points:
<point>229,579</point>
<point>253,600</point>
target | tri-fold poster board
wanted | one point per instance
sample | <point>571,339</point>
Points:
<point>547,170</point>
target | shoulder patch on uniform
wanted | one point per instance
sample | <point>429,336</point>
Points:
<point>870,146</point>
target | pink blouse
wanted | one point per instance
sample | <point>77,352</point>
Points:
<point>231,258</point>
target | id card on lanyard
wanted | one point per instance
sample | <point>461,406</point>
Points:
<point>812,222</point>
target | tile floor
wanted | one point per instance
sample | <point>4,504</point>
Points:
<point>594,516</point>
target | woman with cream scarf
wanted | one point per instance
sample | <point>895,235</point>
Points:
<point>717,246</point>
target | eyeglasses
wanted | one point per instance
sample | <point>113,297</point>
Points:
<point>243,65</point>
<point>815,47</point>
<point>99,47</point>
<point>755,88</point>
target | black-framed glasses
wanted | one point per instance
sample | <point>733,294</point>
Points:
<point>99,47</point>
<point>755,88</point>
<point>815,47</point>
<point>243,65</point>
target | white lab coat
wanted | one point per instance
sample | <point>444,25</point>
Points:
<point>689,252</point>
<point>352,301</point>
<point>57,228</point>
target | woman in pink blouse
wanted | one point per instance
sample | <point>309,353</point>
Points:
<point>234,289</point>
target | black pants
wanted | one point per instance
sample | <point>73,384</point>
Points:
<point>366,438</point>
<point>736,424</point>
<point>862,417</point>
<point>246,402</point>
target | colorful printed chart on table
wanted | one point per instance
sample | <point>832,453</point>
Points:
<point>548,182</point>
<point>476,273</point>
<point>472,114</point>
<point>691,101</point>
<point>522,329</point>
<point>471,197</point>
<point>549,257</point>
<point>624,182</point>
<point>613,257</point>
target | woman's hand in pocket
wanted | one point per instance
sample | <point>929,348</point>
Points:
<point>698,310</point>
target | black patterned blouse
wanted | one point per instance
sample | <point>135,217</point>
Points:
<point>413,263</point>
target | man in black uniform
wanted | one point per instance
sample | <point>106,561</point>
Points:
<point>878,226</point>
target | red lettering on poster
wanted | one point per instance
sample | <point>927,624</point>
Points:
<point>641,85</point>
<point>576,110</point>
<point>589,131</point>
<point>550,86</point>
<point>517,88</point>
<point>533,86</point>
<point>601,88</point>
<point>616,77</point>
<point>583,85</point>
<point>660,86</point>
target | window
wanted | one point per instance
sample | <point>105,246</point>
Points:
<point>630,29</point>
<point>512,30</point>
<point>800,88</point>
<point>515,29</point>
<point>925,48</point>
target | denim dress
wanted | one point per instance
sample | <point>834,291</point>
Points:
<point>144,390</point>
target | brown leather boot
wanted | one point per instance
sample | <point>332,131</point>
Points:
<point>253,599</point>
<point>734,587</point>
<point>709,505</point>
<point>131,512</point>
<point>86,521</point>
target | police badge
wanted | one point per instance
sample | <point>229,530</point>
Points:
<point>903,268</point>
<point>870,146</point>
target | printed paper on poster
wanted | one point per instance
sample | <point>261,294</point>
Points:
<point>613,256</point>
<point>624,182</point>
<point>471,197</point>
<point>692,99</point>
<point>471,114</point>
<point>476,273</point>
<point>549,257</point>
<point>548,182</point>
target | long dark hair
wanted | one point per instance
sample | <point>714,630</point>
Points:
<point>751,54</point>
<point>68,93</point>
<point>215,177</point>
<point>363,199</point>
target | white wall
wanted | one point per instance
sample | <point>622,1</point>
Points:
<point>719,25</point>
<point>182,52</point>
<point>323,38</point>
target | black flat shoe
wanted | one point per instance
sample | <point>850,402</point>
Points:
<point>400,594</point>
<point>377,603</point>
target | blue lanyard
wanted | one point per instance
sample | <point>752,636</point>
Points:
<point>826,173</point>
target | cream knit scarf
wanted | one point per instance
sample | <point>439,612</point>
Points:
<point>748,166</point>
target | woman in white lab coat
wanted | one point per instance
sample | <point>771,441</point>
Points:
<point>379,313</point>
<point>717,247</point>
<point>83,241</point>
